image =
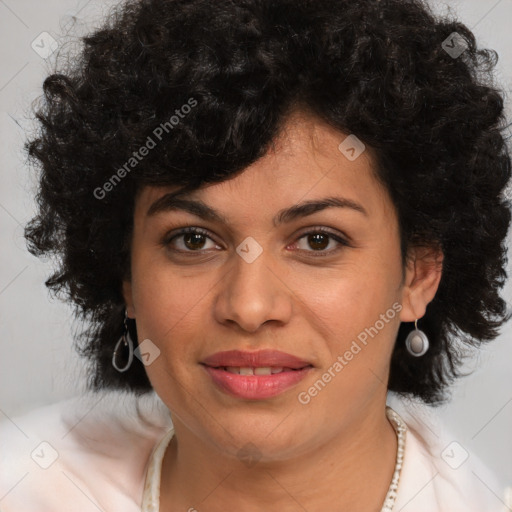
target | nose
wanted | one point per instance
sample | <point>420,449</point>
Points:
<point>253,294</point>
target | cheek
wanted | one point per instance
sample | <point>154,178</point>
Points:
<point>356,294</point>
<point>168,312</point>
<point>167,307</point>
<point>160,296</point>
<point>359,324</point>
<point>357,314</point>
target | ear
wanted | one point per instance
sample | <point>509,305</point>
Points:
<point>128,298</point>
<point>422,278</point>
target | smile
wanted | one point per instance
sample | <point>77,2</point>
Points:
<point>262,370</point>
<point>255,375</point>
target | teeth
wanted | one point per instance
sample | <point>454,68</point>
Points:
<point>263,370</point>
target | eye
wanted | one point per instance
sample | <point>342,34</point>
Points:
<point>190,240</point>
<point>319,240</point>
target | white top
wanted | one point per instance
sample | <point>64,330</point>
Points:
<point>103,452</point>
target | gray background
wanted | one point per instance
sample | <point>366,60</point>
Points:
<point>38,364</point>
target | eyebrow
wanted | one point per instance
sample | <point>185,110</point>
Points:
<point>174,201</point>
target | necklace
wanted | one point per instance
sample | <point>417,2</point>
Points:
<point>400,429</point>
<point>151,496</point>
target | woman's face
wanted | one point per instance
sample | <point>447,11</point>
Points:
<point>301,255</point>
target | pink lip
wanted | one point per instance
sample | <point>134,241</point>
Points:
<point>255,387</point>
<point>255,359</point>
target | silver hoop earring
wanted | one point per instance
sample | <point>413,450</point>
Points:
<point>126,340</point>
<point>416,341</point>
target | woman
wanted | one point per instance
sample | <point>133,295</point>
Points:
<point>271,213</point>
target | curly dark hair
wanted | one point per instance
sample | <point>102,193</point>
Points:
<point>378,69</point>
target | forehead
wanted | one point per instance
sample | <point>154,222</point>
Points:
<point>307,160</point>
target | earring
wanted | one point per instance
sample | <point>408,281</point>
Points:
<point>416,341</point>
<point>127,341</point>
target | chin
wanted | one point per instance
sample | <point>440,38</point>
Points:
<point>269,439</point>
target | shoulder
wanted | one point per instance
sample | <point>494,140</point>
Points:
<point>440,474</point>
<point>83,454</point>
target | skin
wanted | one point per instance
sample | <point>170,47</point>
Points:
<point>315,456</point>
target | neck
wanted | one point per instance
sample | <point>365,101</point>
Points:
<point>333,476</point>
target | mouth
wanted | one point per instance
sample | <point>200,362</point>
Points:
<point>259,370</point>
<point>255,375</point>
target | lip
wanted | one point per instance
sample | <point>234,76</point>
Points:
<point>255,359</point>
<point>255,387</point>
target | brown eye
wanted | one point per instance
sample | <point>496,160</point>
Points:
<point>193,241</point>
<point>321,241</point>
<point>190,240</point>
<point>318,241</point>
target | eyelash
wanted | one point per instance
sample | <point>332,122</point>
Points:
<point>167,240</point>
